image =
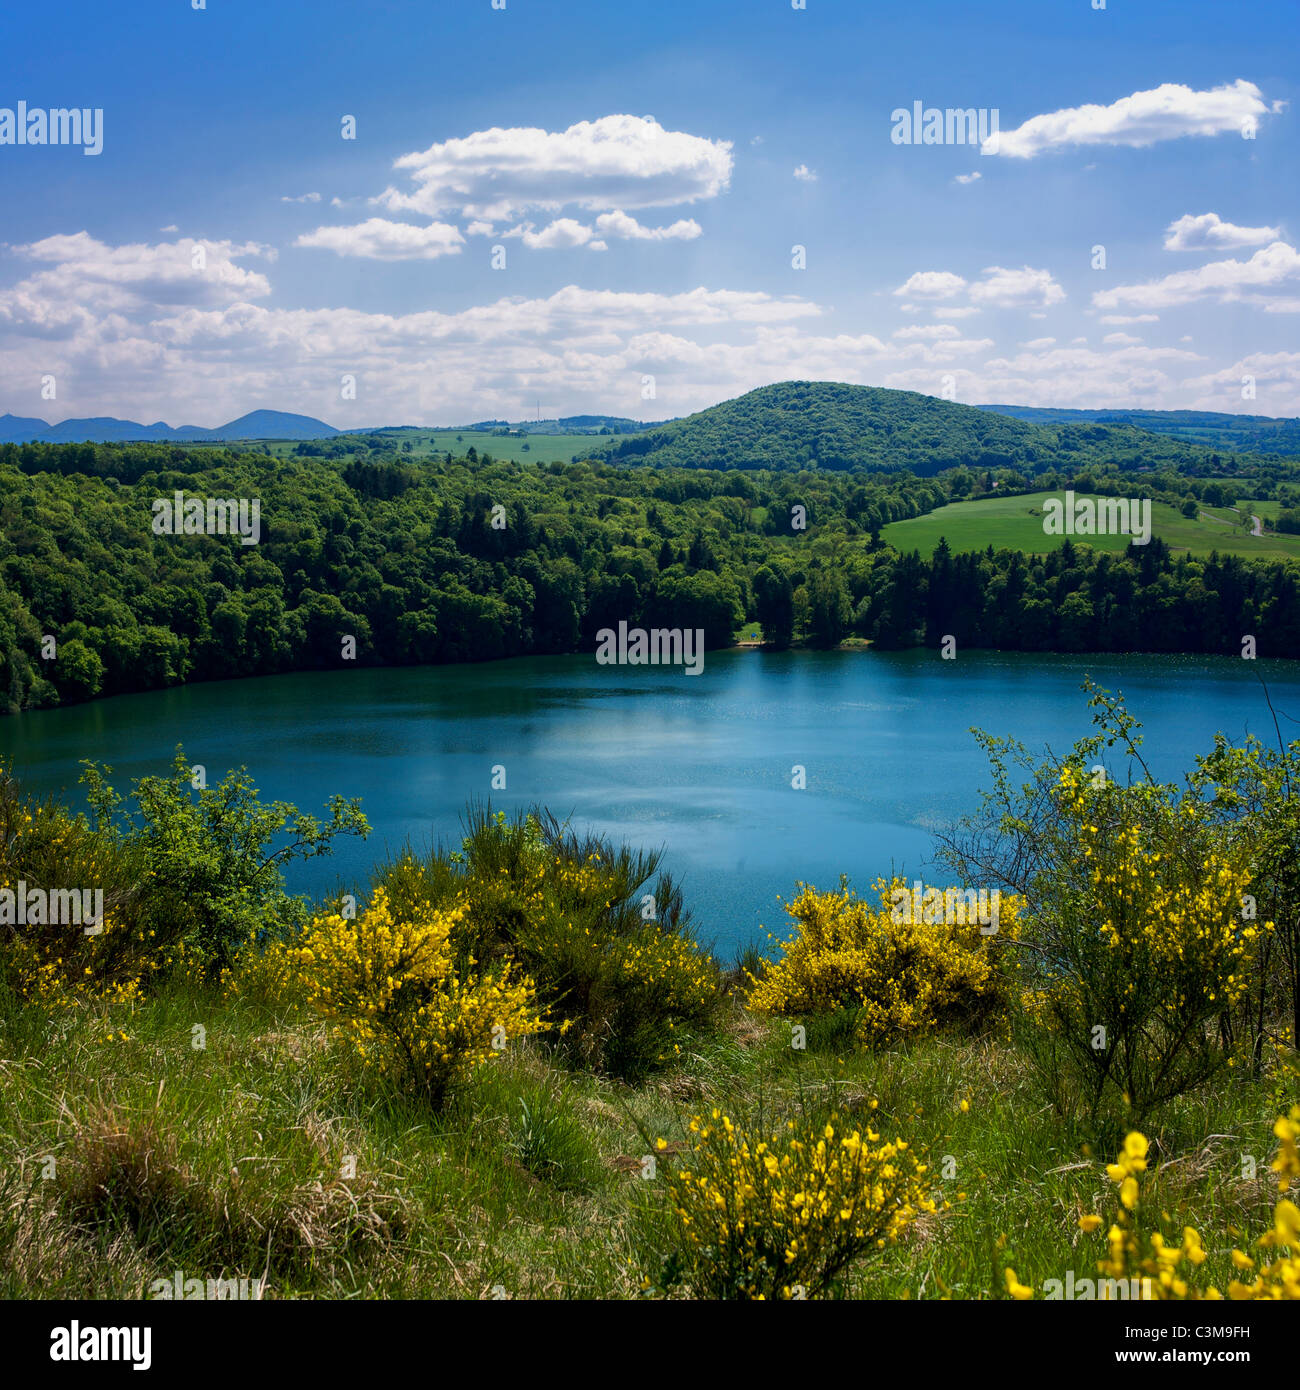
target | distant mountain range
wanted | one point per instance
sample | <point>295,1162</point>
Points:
<point>791,424</point>
<point>1260,434</point>
<point>104,429</point>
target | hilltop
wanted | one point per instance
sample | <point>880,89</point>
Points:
<point>105,429</point>
<point>826,424</point>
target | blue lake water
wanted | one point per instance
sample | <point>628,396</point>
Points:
<point>700,766</point>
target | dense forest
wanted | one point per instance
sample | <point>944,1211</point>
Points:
<point>455,560</point>
<point>1261,434</point>
<point>826,424</point>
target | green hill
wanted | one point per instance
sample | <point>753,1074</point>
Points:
<point>1261,434</point>
<point>1016,523</point>
<point>827,424</point>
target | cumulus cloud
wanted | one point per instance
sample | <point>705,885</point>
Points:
<point>1167,112</point>
<point>968,178</point>
<point>145,346</point>
<point>87,274</point>
<point>1120,339</point>
<point>561,235</point>
<point>1014,289</point>
<point>301,198</point>
<point>931,284</point>
<point>998,288</point>
<point>1277,384</point>
<point>1121,319</point>
<point>933,330</point>
<point>620,224</point>
<point>1225,281</point>
<point>377,239</point>
<point>804,174</point>
<point>1209,232</point>
<point>615,162</point>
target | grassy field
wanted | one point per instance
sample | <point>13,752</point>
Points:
<point>232,1161</point>
<point>1016,523</point>
<point>535,448</point>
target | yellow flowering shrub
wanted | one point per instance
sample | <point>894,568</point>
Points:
<point>1170,1265</point>
<point>600,931</point>
<point>1139,945</point>
<point>55,866</point>
<point>393,987</point>
<point>270,975</point>
<point>901,976</point>
<point>784,1216</point>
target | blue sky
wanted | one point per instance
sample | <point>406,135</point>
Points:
<point>600,200</point>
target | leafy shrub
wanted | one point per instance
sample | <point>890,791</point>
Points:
<point>784,1215</point>
<point>1137,948</point>
<point>209,850</point>
<point>54,964</point>
<point>900,977</point>
<point>602,934</point>
<point>395,990</point>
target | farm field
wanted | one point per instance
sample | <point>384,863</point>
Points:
<point>1016,523</point>
<point>535,448</point>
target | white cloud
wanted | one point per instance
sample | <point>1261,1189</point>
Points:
<point>1167,112</point>
<point>302,198</point>
<point>999,288</point>
<point>1226,281</point>
<point>805,174</point>
<point>1011,289</point>
<point>614,162</point>
<point>932,284</point>
<point>479,229</point>
<point>1277,384</point>
<point>1121,339</point>
<point>1209,232</point>
<point>561,235</point>
<point>933,330</point>
<point>1119,320</point>
<point>204,359</point>
<point>620,224</point>
<point>968,178</point>
<point>88,276</point>
<point>377,239</point>
<point>955,311</point>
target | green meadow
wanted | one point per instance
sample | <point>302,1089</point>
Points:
<point>531,448</point>
<point>1016,523</point>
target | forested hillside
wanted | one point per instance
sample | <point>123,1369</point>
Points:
<point>1261,434</point>
<point>405,559</point>
<point>827,424</point>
